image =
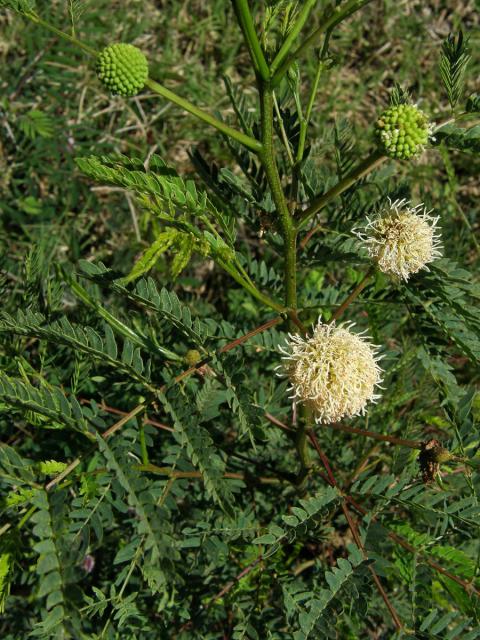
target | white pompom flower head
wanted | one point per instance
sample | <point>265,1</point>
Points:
<point>334,372</point>
<point>402,239</point>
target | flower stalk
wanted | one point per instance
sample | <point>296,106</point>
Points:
<point>61,34</point>
<point>186,105</point>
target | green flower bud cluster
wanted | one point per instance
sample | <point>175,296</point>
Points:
<point>403,131</point>
<point>122,69</point>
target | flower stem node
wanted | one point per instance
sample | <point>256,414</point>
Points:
<point>122,69</point>
<point>334,372</point>
<point>402,239</point>
<point>403,131</point>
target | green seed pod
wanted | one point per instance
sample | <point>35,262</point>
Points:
<point>403,131</point>
<point>122,69</point>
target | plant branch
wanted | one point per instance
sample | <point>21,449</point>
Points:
<point>182,475</point>
<point>245,20</point>
<point>283,133</point>
<point>289,233</point>
<point>186,105</point>
<point>467,586</point>
<point>106,434</point>
<point>229,586</point>
<point>305,120</point>
<point>245,282</point>
<point>351,297</point>
<point>61,34</point>
<point>119,412</point>
<point>411,444</point>
<point>358,541</point>
<point>301,443</point>
<point>287,225</point>
<point>159,89</point>
<point>356,536</point>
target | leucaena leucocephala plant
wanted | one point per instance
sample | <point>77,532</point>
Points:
<point>226,478</point>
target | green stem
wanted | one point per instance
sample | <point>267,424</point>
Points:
<point>334,19</point>
<point>289,233</point>
<point>245,20</point>
<point>143,442</point>
<point>283,133</point>
<point>242,138</point>
<point>248,285</point>
<point>365,167</point>
<point>61,34</point>
<point>293,34</point>
<point>26,517</point>
<point>184,475</point>
<point>301,442</point>
<point>304,122</point>
<point>247,141</point>
<point>118,327</point>
<point>287,225</point>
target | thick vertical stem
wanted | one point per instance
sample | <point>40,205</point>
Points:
<point>289,233</point>
<point>287,225</point>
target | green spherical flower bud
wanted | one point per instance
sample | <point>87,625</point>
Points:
<point>193,357</point>
<point>403,131</point>
<point>122,69</point>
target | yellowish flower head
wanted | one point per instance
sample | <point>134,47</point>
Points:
<point>402,239</point>
<point>334,372</point>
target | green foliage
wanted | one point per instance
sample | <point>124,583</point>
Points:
<point>84,339</point>
<point>201,452</point>
<point>155,481</point>
<point>465,139</point>
<point>162,191</point>
<point>47,401</point>
<point>22,6</point>
<point>50,568</point>
<point>312,607</point>
<point>453,65</point>
<point>473,103</point>
<point>36,123</point>
<point>302,518</point>
<point>5,575</point>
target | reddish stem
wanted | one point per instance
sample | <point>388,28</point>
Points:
<point>469,587</point>
<point>412,444</point>
<point>356,292</point>
<point>376,579</point>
